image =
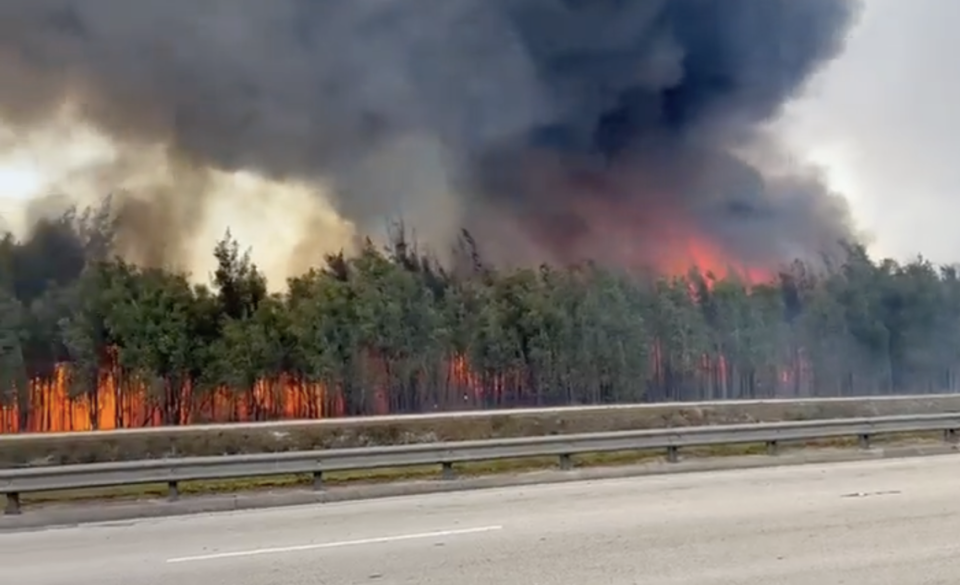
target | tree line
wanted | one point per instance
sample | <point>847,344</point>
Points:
<point>392,330</point>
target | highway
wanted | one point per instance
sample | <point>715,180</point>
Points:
<point>888,522</point>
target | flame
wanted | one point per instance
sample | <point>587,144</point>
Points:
<point>708,258</point>
<point>51,408</point>
<point>114,405</point>
<point>601,218</point>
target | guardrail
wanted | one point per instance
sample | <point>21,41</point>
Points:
<point>172,471</point>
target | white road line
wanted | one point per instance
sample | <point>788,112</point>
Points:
<point>342,543</point>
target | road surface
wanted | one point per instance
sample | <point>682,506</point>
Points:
<point>893,522</point>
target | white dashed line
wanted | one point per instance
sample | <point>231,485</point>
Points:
<point>339,544</point>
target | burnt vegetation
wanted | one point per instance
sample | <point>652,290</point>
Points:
<point>391,330</point>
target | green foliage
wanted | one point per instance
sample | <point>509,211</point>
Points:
<point>392,327</point>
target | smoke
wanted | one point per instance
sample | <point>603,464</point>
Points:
<point>555,128</point>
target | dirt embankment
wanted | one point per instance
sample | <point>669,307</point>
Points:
<point>65,448</point>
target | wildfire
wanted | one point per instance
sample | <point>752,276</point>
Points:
<point>710,258</point>
<point>599,218</point>
<point>641,238</point>
<point>51,408</point>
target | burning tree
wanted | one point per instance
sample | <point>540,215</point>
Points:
<point>105,343</point>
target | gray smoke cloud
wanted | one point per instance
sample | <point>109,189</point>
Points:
<point>556,128</point>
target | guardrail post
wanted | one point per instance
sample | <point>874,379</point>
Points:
<point>448,471</point>
<point>13,504</point>
<point>864,441</point>
<point>673,454</point>
<point>773,448</point>
<point>173,491</point>
<point>566,462</point>
<point>950,436</point>
<point>317,480</point>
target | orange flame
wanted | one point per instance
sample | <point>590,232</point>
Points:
<point>708,258</point>
<point>51,407</point>
<point>660,235</point>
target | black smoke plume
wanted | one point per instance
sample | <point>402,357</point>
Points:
<point>558,128</point>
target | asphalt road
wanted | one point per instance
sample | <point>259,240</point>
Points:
<point>892,522</point>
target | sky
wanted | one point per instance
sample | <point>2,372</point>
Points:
<point>883,120</point>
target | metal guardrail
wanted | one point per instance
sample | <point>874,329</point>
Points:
<point>172,471</point>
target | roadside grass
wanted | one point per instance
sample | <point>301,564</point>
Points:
<point>474,469</point>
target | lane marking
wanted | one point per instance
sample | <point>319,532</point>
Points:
<point>339,544</point>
